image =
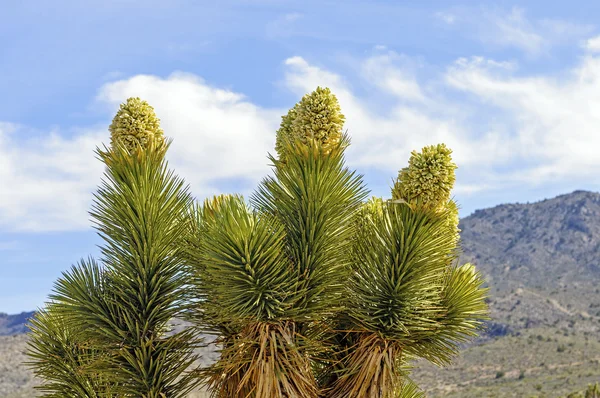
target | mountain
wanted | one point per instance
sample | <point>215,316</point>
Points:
<point>541,260</point>
<point>542,264</point>
<point>14,324</point>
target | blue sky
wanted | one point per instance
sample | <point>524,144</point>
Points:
<point>512,87</point>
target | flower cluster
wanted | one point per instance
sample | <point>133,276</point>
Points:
<point>135,125</point>
<point>369,210</point>
<point>429,177</point>
<point>428,181</point>
<point>316,118</point>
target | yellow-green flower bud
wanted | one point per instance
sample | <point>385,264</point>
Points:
<point>284,134</point>
<point>373,206</point>
<point>135,125</point>
<point>452,219</point>
<point>214,205</point>
<point>363,219</point>
<point>429,177</point>
<point>317,118</point>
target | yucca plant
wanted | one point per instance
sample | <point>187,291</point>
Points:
<point>407,296</point>
<point>311,291</point>
<point>314,293</point>
<point>272,271</point>
<point>110,320</point>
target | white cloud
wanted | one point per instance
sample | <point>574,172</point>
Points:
<point>592,44</point>
<point>553,123</point>
<point>508,130</point>
<point>513,29</point>
<point>383,139</point>
<point>283,26</point>
<point>381,71</point>
<point>46,181</point>
<point>218,134</point>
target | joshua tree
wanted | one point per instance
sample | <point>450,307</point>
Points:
<point>271,274</point>
<point>312,291</point>
<point>104,333</point>
<point>407,297</point>
<point>315,294</point>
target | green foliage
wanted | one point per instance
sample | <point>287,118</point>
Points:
<point>277,267</point>
<point>314,196</point>
<point>121,308</point>
<point>311,291</point>
<point>521,375</point>
<point>245,272</point>
<point>592,391</point>
<point>349,292</point>
<point>62,358</point>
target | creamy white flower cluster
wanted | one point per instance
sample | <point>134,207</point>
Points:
<point>317,118</point>
<point>135,125</point>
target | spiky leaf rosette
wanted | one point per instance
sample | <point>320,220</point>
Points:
<point>397,272</point>
<point>135,125</point>
<point>317,118</point>
<point>314,196</point>
<point>278,269</point>
<point>201,217</point>
<point>246,275</point>
<point>247,287</point>
<point>137,211</point>
<point>364,217</point>
<point>62,359</point>
<point>463,300</point>
<point>244,280</point>
<point>406,293</point>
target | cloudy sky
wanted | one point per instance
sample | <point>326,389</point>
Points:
<point>512,87</point>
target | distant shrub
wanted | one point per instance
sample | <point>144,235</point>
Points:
<point>499,374</point>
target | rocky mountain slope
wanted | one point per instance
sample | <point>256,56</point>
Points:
<point>14,324</point>
<point>541,260</point>
<point>542,263</point>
